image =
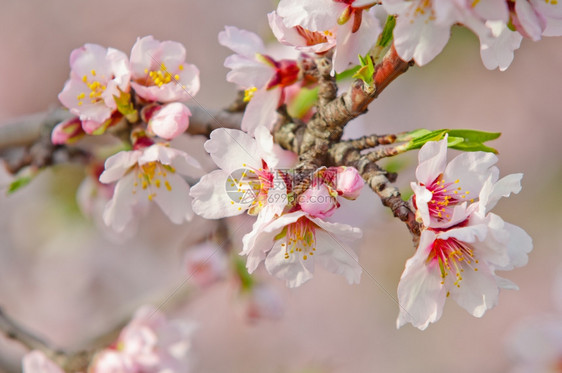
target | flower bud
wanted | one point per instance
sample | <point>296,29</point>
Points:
<point>67,132</point>
<point>349,182</point>
<point>318,201</point>
<point>205,264</point>
<point>170,121</point>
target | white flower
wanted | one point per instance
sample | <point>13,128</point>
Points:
<point>263,78</point>
<point>461,261</point>
<point>318,25</point>
<point>442,189</point>
<point>149,174</point>
<point>293,243</point>
<point>246,178</point>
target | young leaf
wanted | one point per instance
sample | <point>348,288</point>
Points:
<point>366,71</point>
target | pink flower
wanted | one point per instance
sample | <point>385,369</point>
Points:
<point>67,132</point>
<point>160,73</point>
<point>349,182</point>
<point>293,243</point>
<point>263,303</point>
<point>167,121</point>
<point>246,179</point>
<point>37,362</point>
<point>97,75</point>
<point>263,77</point>
<point>148,174</point>
<point>149,343</point>
<point>442,189</point>
<point>318,201</point>
<point>318,25</point>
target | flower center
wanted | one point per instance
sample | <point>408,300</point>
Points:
<point>313,37</point>
<point>162,76</point>
<point>250,185</point>
<point>445,196</point>
<point>96,89</point>
<point>153,174</point>
<point>300,239</point>
<point>452,256</point>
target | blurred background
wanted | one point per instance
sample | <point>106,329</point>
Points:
<point>64,280</point>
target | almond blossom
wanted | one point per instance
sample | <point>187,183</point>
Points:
<point>67,132</point>
<point>423,28</point>
<point>319,25</point>
<point>459,259</point>
<point>160,73</point>
<point>246,180</point>
<point>152,173</point>
<point>291,245</point>
<point>263,78</point>
<point>98,75</point>
<point>149,343</point>
<point>443,188</point>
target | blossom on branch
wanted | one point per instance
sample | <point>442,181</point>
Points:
<point>263,78</point>
<point>444,189</point>
<point>149,173</point>
<point>462,245</point>
<point>98,77</point>
<point>293,243</point>
<point>246,180</point>
<point>160,73</point>
<point>319,25</point>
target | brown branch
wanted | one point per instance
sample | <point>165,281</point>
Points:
<point>370,141</point>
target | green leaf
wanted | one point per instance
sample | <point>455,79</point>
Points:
<point>366,71</point>
<point>347,74</point>
<point>385,38</point>
<point>460,139</point>
<point>303,102</point>
<point>19,183</point>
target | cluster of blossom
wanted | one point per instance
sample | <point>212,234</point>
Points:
<point>462,243</point>
<point>351,27</point>
<point>107,91</point>
<point>149,343</point>
<point>290,234</point>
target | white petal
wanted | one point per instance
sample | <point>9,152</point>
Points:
<point>175,203</point>
<point>119,210</point>
<point>294,270</point>
<point>261,110</point>
<point>314,15</point>
<point>432,159</point>
<point>117,165</point>
<point>492,192</point>
<point>423,197</point>
<point>472,169</point>
<point>257,242</point>
<point>233,150</point>
<point>248,72</point>
<point>243,42</point>
<point>210,199</point>
<point>421,296</point>
<point>337,257</point>
<point>342,231</point>
<point>477,292</point>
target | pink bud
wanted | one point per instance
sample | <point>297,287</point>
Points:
<point>349,182</point>
<point>170,121</point>
<point>318,201</point>
<point>67,132</point>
